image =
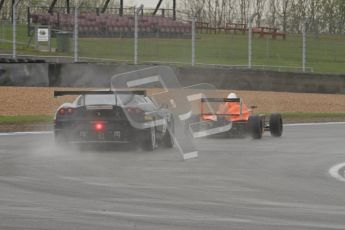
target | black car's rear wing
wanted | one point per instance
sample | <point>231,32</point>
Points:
<point>58,93</point>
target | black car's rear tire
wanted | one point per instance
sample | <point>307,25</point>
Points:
<point>255,126</point>
<point>150,143</point>
<point>276,125</point>
<point>168,139</point>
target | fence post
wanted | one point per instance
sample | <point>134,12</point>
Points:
<point>135,37</point>
<point>303,46</point>
<point>14,29</point>
<point>50,38</point>
<point>136,12</point>
<point>75,33</point>
<point>193,41</point>
<point>36,37</point>
<point>250,34</point>
<point>2,31</point>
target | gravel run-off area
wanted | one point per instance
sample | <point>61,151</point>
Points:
<point>40,101</point>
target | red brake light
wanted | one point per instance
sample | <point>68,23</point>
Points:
<point>99,126</point>
<point>62,111</point>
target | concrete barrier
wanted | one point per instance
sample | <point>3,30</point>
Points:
<point>99,75</point>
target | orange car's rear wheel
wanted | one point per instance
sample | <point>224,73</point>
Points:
<point>276,125</point>
<point>255,126</point>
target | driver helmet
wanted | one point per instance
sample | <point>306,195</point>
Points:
<point>232,96</point>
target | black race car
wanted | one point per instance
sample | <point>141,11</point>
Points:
<point>113,117</point>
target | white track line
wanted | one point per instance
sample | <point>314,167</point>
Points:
<point>315,124</point>
<point>25,133</point>
<point>334,171</point>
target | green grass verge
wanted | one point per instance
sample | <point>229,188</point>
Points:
<point>325,53</point>
<point>27,119</point>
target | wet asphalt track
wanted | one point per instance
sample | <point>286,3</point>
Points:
<point>234,184</point>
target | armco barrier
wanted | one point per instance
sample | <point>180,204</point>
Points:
<point>98,75</point>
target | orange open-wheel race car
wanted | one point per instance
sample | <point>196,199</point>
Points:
<point>232,110</point>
